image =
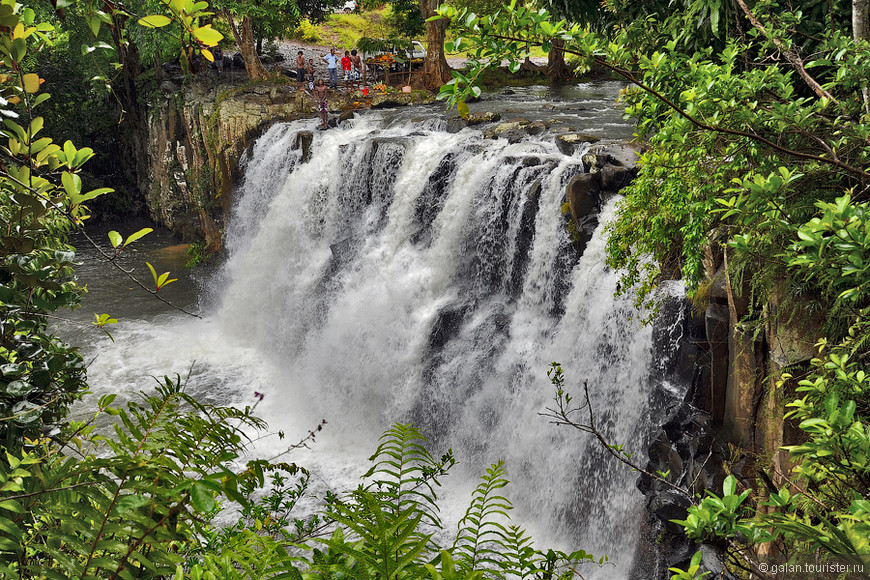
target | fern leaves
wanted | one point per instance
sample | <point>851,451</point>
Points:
<point>405,474</point>
<point>143,510</point>
<point>480,538</point>
<point>389,546</point>
<point>124,514</point>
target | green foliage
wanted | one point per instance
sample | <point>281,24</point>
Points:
<point>717,517</point>
<point>41,197</point>
<point>755,148</point>
<point>121,505</point>
<point>306,32</point>
<point>824,509</point>
<point>197,255</point>
<point>186,21</point>
<point>160,280</point>
<point>381,530</point>
<point>405,19</point>
<point>692,572</point>
<point>696,106</point>
<point>832,250</point>
<point>479,531</point>
<point>404,474</point>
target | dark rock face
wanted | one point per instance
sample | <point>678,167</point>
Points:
<point>683,446</point>
<point>346,116</point>
<point>304,139</point>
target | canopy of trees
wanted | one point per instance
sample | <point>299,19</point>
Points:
<point>757,124</point>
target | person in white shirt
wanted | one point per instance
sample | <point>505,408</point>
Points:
<point>331,60</point>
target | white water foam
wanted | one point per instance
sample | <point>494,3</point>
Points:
<point>408,274</point>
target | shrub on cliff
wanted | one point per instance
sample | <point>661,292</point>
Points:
<point>757,123</point>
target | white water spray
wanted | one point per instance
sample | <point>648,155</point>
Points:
<point>403,273</point>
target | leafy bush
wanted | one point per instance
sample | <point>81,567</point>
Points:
<point>88,505</point>
<point>306,32</point>
<point>386,528</point>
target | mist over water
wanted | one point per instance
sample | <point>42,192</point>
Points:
<point>404,273</point>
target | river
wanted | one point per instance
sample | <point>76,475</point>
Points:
<point>405,273</point>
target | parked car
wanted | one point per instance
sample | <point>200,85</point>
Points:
<point>349,6</point>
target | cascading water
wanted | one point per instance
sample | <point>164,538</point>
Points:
<point>404,273</point>
<point>413,275</point>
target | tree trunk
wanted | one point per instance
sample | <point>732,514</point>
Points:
<point>861,31</point>
<point>244,36</point>
<point>133,136</point>
<point>436,71</point>
<point>528,66</point>
<point>556,69</point>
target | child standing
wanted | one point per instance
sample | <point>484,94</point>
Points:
<point>310,71</point>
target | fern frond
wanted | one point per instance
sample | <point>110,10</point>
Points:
<point>481,538</point>
<point>391,545</point>
<point>520,560</point>
<point>404,474</point>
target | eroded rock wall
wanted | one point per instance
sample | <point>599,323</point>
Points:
<point>197,133</point>
<point>731,420</point>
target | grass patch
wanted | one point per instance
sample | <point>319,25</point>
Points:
<point>497,77</point>
<point>344,30</point>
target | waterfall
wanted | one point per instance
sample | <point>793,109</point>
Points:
<point>397,272</point>
<point>403,273</point>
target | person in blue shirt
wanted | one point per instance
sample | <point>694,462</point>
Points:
<point>331,60</point>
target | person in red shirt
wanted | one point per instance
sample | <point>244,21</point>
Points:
<point>345,65</point>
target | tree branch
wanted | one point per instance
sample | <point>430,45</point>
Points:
<point>129,274</point>
<point>561,416</point>
<point>789,54</point>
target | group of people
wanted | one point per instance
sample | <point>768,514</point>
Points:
<point>351,65</point>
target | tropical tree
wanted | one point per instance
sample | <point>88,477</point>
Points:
<point>436,71</point>
<point>586,12</point>
<point>241,14</point>
<point>756,144</point>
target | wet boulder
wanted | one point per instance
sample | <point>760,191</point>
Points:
<point>582,195</point>
<point>614,177</point>
<point>568,142</point>
<point>456,124</point>
<point>481,118</point>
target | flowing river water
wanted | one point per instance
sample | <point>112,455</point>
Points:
<point>409,274</point>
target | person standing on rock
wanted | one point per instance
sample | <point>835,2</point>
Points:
<point>300,70</point>
<point>331,61</point>
<point>357,67</point>
<point>345,67</point>
<point>321,93</point>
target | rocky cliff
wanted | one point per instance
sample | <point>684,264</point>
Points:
<point>197,133</point>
